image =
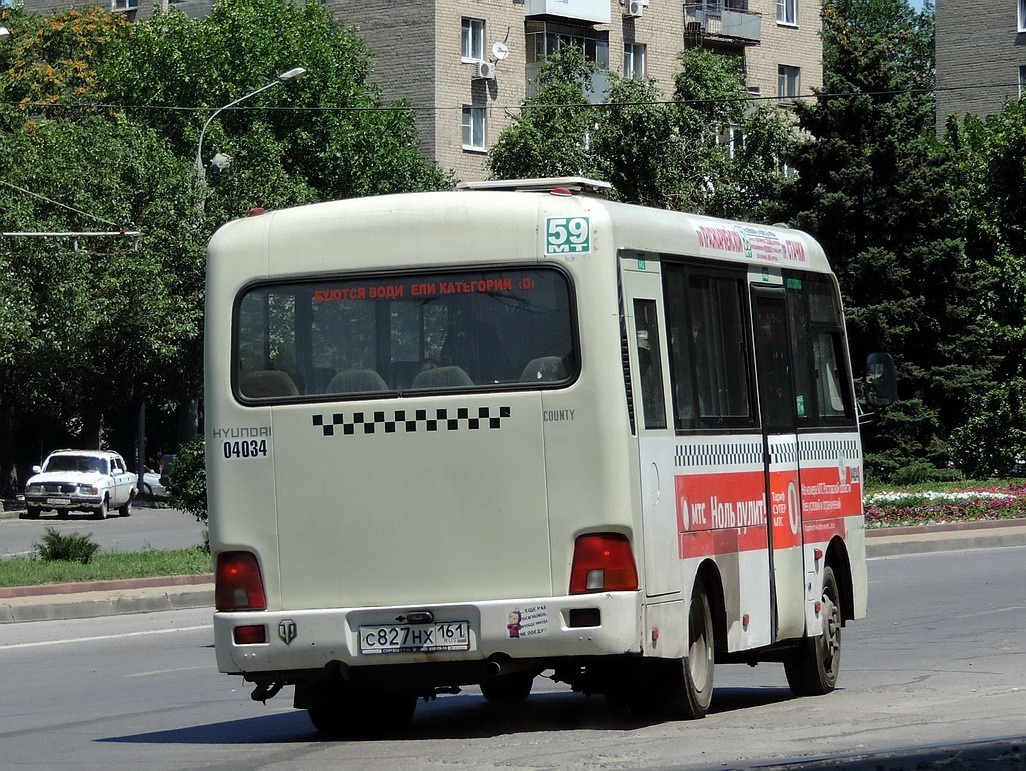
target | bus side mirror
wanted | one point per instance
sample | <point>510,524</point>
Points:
<point>881,380</point>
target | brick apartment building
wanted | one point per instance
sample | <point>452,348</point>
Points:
<point>466,65</point>
<point>981,56</point>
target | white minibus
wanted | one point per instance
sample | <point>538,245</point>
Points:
<point>477,436</point>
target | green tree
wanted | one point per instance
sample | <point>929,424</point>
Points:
<point>551,137</point>
<point>105,125</point>
<point>991,156</point>
<point>327,136</point>
<point>875,188</point>
<point>668,153</point>
<point>90,325</point>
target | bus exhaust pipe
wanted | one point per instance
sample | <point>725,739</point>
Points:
<point>499,664</point>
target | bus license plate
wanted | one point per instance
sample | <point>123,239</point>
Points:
<point>415,638</point>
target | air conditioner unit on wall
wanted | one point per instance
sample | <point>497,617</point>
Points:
<point>484,71</point>
<point>634,8</point>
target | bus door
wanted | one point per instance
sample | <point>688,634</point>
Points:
<point>642,308</point>
<point>777,407</point>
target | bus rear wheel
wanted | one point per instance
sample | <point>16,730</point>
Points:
<point>345,712</point>
<point>812,670</point>
<point>508,689</point>
<point>691,684</point>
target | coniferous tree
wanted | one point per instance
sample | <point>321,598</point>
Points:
<point>874,187</point>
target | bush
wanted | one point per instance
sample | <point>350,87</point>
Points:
<point>993,438</point>
<point>73,547</point>
<point>917,473</point>
<point>187,480</point>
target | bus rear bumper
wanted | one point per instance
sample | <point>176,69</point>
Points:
<point>505,631</point>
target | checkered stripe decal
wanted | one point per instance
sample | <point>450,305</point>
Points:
<point>783,453</point>
<point>411,421</point>
<point>726,454</point>
<point>829,449</point>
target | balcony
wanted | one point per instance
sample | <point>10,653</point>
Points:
<point>726,21</point>
<point>591,11</point>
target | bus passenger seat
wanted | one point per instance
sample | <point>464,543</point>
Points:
<point>442,377</point>
<point>543,368</point>
<point>267,383</point>
<point>356,381</point>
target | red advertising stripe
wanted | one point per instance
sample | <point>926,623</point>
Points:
<point>829,492</point>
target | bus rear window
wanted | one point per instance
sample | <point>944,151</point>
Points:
<point>391,334</point>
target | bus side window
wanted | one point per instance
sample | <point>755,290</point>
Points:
<point>650,362</point>
<point>682,381</point>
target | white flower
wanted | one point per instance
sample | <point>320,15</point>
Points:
<point>931,495</point>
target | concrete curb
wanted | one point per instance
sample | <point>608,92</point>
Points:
<point>108,602</point>
<point>960,536</point>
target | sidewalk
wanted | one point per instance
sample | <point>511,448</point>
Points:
<point>145,595</point>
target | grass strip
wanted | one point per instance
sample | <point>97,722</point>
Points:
<point>105,566</point>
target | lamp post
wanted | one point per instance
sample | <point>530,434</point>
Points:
<point>201,173</point>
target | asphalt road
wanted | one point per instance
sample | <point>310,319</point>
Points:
<point>934,678</point>
<point>148,527</point>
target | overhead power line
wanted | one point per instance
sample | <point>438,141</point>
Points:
<point>411,108</point>
<point>62,205</point>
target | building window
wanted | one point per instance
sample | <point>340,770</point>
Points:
<point>1022,15</point>
<point>1022,82</point>
<point>729,137</point>
<point>474,125</point>
<point>473,36</point>
<point>787,12</point>
<point>634,60</point>
<point>788,81</point>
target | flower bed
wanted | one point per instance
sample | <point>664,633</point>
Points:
<point>930,507</point>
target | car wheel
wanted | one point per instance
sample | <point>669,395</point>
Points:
<point>62,513</point>
<point>126,510</point>
<point>33,512</point>
<point>101,510</point>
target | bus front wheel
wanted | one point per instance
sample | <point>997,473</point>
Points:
<point>812,670</point>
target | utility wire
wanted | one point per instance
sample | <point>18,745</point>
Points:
<point>58,203</point>
<point>824,95</point>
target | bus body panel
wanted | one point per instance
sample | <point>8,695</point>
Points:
<point>330,635</point>
<point>358,514</point>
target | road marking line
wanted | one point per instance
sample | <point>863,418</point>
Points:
<point>103,637</point>
<point>165,671</point>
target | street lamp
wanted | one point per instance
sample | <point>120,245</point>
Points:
<point>201,174</point>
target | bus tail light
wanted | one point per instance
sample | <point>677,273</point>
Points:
<point>603,562</point>
<point>238,584</point>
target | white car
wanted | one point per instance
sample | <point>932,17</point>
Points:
<point>96,481</point>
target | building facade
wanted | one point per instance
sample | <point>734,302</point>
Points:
<point>981,57</point>
<point>465,66</point>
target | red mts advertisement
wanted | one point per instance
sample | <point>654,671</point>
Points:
<point>721,513</point>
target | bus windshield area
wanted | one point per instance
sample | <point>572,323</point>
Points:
<point>408,332</point>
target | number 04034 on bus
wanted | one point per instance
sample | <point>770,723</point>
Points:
<point>636,428</point>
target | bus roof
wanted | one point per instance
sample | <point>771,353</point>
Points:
<point>493,222</point>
